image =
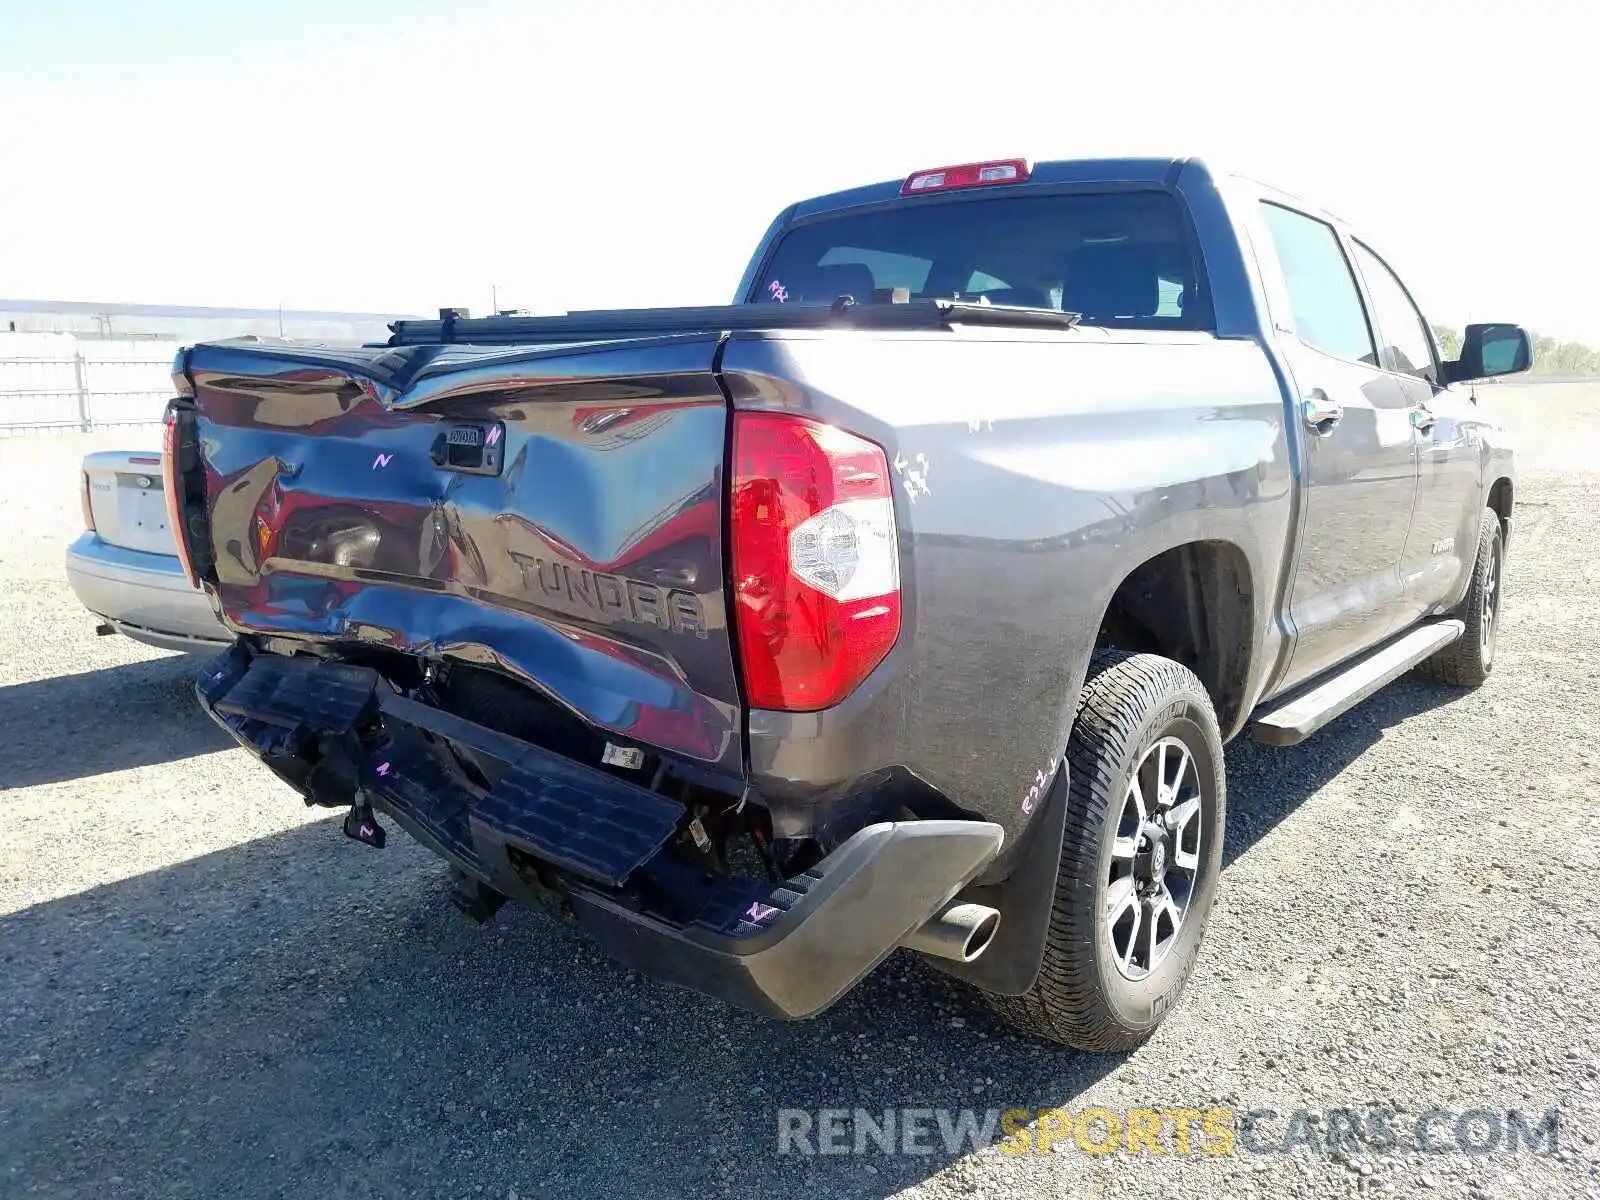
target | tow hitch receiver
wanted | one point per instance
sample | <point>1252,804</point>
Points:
<point>473,897</point>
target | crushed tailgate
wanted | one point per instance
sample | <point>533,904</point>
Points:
<point>554,513</point>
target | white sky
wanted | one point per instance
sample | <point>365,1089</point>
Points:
<point>402,156</point>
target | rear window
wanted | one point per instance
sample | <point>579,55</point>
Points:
<point>1118,258</point>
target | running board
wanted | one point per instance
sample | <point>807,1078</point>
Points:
<point>1297,718</point>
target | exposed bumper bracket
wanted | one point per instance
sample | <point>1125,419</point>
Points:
<point>788,949</point>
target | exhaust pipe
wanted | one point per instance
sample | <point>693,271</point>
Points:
<point>960,932</point>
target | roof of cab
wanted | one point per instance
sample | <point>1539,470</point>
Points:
<point>1072,170</point>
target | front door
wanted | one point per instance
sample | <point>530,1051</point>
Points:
<point>1359,462</point>
<point>1443,544</point>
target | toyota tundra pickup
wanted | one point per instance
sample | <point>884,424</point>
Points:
<point>907,601</point>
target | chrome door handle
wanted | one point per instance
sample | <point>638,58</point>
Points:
<point>1422,418</point>
<point>1321,412</point>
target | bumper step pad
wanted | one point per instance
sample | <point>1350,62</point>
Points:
<point>291,692</point>
<point>406,779</point>
<point>723,905</point>
<point>589,823</point>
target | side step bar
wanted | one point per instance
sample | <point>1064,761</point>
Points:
<point>1298,717</point>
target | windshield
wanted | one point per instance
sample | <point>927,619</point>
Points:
<point>1118,258</point>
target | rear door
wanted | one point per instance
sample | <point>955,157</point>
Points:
<point>1359,468</point>
<point>1444,529</point>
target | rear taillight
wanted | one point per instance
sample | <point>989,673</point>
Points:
<point>816,566</point>
<point>88,503</point>
<point>172,485</point>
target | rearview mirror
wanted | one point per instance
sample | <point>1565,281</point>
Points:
<point>1487,350</point>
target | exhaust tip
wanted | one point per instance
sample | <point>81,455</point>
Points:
<point>959,933</point>
<point>982,934</point>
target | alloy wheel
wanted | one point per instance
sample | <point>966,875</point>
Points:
<point>1155,858</point>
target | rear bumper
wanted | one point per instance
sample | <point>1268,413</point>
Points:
<point>844,917</point>
<point>605,845</point>
<point>145,596</point>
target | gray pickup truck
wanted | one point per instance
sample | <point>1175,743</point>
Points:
<point>906,601</point>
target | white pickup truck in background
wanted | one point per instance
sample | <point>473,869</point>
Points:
<point>124,567</point>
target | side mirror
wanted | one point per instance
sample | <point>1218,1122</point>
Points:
<point>1488,350</point>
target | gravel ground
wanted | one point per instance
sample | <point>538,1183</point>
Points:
<point>207,992</point>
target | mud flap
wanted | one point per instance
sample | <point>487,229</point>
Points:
<point>1010,964</point>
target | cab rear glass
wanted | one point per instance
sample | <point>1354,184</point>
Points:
<point>1119,258</point>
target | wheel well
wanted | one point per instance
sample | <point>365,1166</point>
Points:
<point>1500,501</point>
<point>1193,604</point>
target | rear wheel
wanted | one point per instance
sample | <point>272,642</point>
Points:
<point>1467,661</point>
<point>1140,856</point>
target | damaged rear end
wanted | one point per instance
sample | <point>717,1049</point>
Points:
<point>519,599</point>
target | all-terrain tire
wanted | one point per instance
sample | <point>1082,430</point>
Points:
<point>1081,997</point>
<point>1467,661</point>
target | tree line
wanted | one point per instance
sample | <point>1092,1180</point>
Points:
<point>1551,356</point>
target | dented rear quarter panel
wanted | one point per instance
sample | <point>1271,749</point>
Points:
<point>590,567</point>
<point>1033,474</point>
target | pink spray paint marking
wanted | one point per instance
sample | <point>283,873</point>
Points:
<point>1035,793</point>
<point>383,460</point>
<point>778,291</point>
<point>759,911</point>
<point>383,768</point>
<point>494,436</point>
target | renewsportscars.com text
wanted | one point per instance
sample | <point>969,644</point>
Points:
<point>1179,1131</point>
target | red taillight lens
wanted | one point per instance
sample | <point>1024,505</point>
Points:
<point>171,485</point>
<point>816,566</point>
<point>88,503</point>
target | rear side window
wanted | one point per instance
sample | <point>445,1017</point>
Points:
<point>1120,259</point>
<point>1407,343</point>
<point>1328,314</point>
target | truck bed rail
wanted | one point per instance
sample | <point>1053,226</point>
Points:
<point>456,327</point>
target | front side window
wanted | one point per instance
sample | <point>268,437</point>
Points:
<point>1328,314</point>
<point>1408,346</point>
<point>1117,258</point>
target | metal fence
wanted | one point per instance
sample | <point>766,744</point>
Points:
<point>50,384</point>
